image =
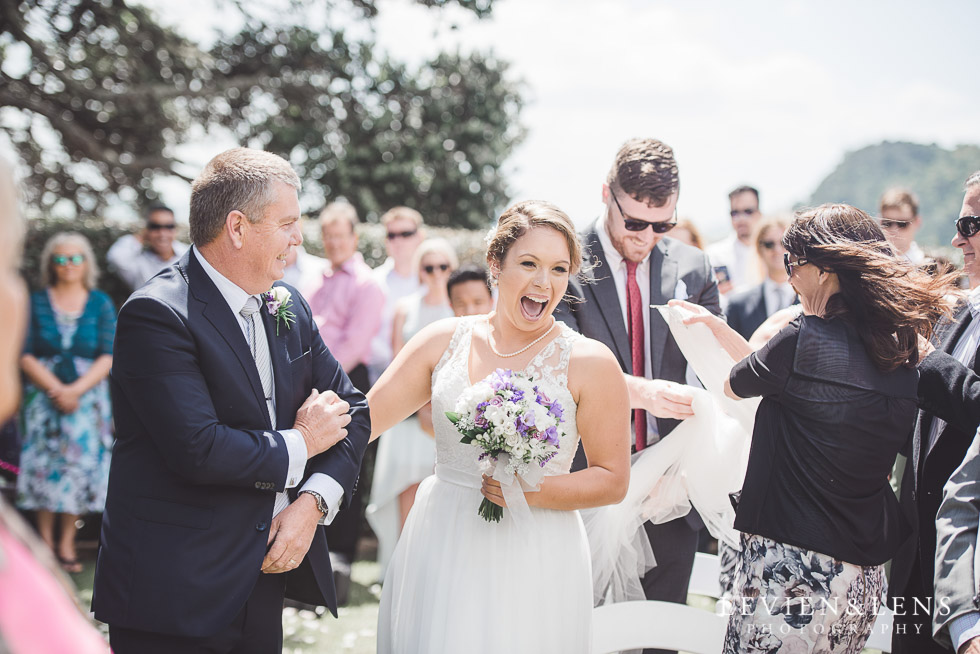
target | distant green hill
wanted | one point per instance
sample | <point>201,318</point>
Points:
<point>935,174</point>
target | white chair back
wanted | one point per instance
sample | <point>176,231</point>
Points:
<point>635,625</point>
<point>704,576</point>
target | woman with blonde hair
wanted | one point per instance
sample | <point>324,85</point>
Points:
<point>407,457</point>
<point>66,416</point>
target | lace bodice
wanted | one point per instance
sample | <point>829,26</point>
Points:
<point>450,377</point>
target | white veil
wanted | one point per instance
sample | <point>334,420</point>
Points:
<point>699,463</point>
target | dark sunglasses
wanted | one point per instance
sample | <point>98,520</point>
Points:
<point>63,260</point>
<point>634,225</point>
<point>968,226</point>
<point>431,269</point>
<point>790,265</point>
<point>896,224</point>
<point>155,227</point>
<point>768,245</point>
<point>735,213</point>
<point>409,234</point>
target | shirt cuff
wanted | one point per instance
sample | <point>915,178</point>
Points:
<point>329,490</point>
<point>296,448</point>
<point>963,628</point>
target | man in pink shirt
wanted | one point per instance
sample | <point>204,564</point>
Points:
<point>347,308</point>
<point>348,303</point>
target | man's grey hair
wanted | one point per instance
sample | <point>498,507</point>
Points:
<point>972,181</point>
<point>236,180</point>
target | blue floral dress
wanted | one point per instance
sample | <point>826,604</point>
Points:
<point>64,465</point>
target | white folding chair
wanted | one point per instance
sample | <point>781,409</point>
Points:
<point>704,576</point>
<point>881,633</point>
<point>635,625</point>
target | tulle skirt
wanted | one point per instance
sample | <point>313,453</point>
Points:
<point>457,583</point>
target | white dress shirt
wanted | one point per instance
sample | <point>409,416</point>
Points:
<point>740,260</point>
<point>617,268</point>
<point>396,288</point>
<point>777,295</point>
<point>326,486</point>
<point>135,263</point>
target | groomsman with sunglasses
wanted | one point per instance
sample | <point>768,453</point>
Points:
<point>946,425</point>
<point>635,267</point>
<point>137,257</point>
<point>900,220</point>
<point>734,257</point>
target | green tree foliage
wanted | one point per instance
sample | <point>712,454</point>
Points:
<point>934,174</point>
<point>117,91</point>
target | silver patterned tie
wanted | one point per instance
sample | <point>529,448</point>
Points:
<point>261,355</point>
<point>263,362</point>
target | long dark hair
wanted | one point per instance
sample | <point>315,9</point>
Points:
<point>887,299</point>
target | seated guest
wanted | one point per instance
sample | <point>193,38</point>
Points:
<point>469,291</point>
<point>749,308</point>
<point>66,415</point>
<point>137,257</point>
<point>838,386</point>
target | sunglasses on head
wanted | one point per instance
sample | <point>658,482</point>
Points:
<point>64,260</point>
<point>735,213</point>
<point>790,265</point>
<point>894,224</point>
<point>431,269</point>
<point>407,234</point>
<point>155,227</point>
<point>634,225</point>
<point>968,226</point>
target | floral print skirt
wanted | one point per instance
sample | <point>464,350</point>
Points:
<point>795,601</point>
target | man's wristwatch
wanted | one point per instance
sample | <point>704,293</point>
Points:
<point>321,503</point>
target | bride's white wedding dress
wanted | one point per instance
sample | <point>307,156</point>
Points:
<point>457,583</point>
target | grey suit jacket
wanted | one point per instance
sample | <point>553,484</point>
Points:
<point>594,309</point>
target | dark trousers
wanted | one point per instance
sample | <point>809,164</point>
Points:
<point>345,530</point>
<point>674,544</point>
<point>257,629</point>
<point>912,625</point>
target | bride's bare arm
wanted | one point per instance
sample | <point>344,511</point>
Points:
<point>603,419</point>
<point>406,384</point>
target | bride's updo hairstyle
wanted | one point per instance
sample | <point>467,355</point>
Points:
<point>516,221</point>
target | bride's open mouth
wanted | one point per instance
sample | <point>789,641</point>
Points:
<point>533,308</point>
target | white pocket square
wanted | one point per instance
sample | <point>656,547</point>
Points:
<point>680,291</point>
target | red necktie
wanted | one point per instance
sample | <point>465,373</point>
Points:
<point>634,312</point>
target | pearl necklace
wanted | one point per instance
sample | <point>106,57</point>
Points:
<point>523,349</point>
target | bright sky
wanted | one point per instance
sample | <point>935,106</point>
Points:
<point>766,93</point>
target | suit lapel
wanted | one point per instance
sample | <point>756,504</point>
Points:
<point>759,312</point>
<point>280,366</point>
<point>218,313</point>
<point>663,281</point>
<point>606,297</point>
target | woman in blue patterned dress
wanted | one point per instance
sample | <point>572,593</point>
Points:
<point>66,416</point>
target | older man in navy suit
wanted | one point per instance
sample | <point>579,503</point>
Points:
<point>238,434</point>
<point>635,267</point>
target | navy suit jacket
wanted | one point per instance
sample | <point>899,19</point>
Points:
<point>196,464</point>
<point>746,310</point>
<point>595,310</point>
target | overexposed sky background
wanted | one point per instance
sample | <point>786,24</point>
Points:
<point>766,93</point>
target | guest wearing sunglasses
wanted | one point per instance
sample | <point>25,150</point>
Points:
<point>900,220</point>
<point>635,267</point>
<point>137,257</point>
<point>749,308</point>
<point>397,276</point>
<point>734,257</point>
<point>407,454</point>
<point>66,417</point>
<point>943,433</point>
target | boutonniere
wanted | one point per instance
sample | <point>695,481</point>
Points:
<point>278,299</point>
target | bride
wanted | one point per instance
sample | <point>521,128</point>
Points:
<point>457,583</point>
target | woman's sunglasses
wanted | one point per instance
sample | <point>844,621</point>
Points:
<point>634,225</point>
<point>406,234</point>
<point>63,260</point>
<point>968,226</point>
<point>431,269</point>
<point>790,265</point>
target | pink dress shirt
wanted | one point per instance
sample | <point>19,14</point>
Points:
<point>347,308</point>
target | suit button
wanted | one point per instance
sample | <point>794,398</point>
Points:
<point>258,485</point>
<point>260,526</point>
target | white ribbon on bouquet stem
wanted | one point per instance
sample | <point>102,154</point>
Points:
<point>513,486</point>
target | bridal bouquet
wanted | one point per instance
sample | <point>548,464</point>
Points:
<point>515,426</point>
